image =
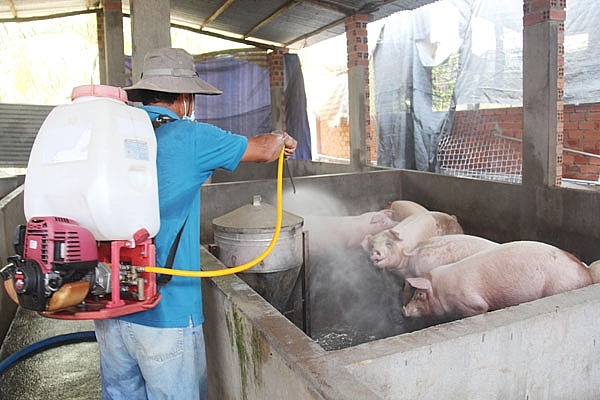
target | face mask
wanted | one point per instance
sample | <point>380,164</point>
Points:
<point>192,116</point>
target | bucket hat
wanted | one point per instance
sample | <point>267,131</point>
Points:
<point>170,70</point>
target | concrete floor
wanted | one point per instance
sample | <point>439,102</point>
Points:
<point>68,371</point>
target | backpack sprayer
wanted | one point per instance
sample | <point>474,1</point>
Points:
<point>67,270</point>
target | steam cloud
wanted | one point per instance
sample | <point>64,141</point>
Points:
<point>351,301</point>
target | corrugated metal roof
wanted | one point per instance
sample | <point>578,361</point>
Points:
<point>291,23</point>
<point>19,124</point>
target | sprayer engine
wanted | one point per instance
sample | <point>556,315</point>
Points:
<point>61,270</point>
<point>51,252</point>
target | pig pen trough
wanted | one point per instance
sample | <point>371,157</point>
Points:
<point>542,349</point>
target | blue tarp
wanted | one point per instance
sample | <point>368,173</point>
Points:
<point>245,105</point>
<point>295,108</point>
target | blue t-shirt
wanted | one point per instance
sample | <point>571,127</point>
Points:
<point>187,154</point>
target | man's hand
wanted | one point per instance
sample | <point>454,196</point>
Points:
<point>289,142</point>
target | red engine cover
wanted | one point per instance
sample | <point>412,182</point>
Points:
<point>58,240</point>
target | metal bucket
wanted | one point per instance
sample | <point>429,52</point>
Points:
<point>244,234</point>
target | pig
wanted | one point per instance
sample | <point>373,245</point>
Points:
<point>595,271</point>
<point>332,233</point>
<point>503,276</point>
<point>386,249</point>
<point>432,253</point>
<point>401,209</point>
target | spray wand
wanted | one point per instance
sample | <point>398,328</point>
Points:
<point>249,264</point>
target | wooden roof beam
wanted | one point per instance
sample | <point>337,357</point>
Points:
<point>315,32</point>
<point>13,10</point>
<point>278,12</point>
<point>216,14</point>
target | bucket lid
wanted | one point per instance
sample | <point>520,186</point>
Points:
<point>112,92</point>
<point>255,217</point>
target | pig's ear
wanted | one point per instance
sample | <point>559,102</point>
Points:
<point>366,243</point>
<point>419,283</point>
<point>388,212</point>
<point>393,234</point>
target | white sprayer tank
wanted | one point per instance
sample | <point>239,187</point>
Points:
<point>94,161</point>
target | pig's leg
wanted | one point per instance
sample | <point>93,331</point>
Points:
<point>472,304</point>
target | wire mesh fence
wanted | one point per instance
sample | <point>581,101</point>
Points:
<point>472,150</point>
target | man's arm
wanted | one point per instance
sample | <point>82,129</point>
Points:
<point>266,147</point>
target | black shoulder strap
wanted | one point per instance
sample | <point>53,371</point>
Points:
<point>161,120</point>
<point>163,279</point>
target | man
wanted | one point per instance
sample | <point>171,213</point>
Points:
<point>159,353</point>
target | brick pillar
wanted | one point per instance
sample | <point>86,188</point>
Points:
<point>358,88</point>
<point>277,83</point>
<point>543,87</point>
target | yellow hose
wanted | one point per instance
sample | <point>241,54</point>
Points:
<point>250,264</point>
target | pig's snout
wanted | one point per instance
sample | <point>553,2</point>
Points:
<point>408,311</point>
<point>377,257</point>
<point>375,254</point>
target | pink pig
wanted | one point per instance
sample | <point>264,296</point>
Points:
<point>330,233</point>
<point>401,209</point>
<point>595,271</point>
<point>503,276</point>
<point>388,249</point>
<point>430,254</point>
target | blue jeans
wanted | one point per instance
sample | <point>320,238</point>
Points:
<point>142,362</point>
